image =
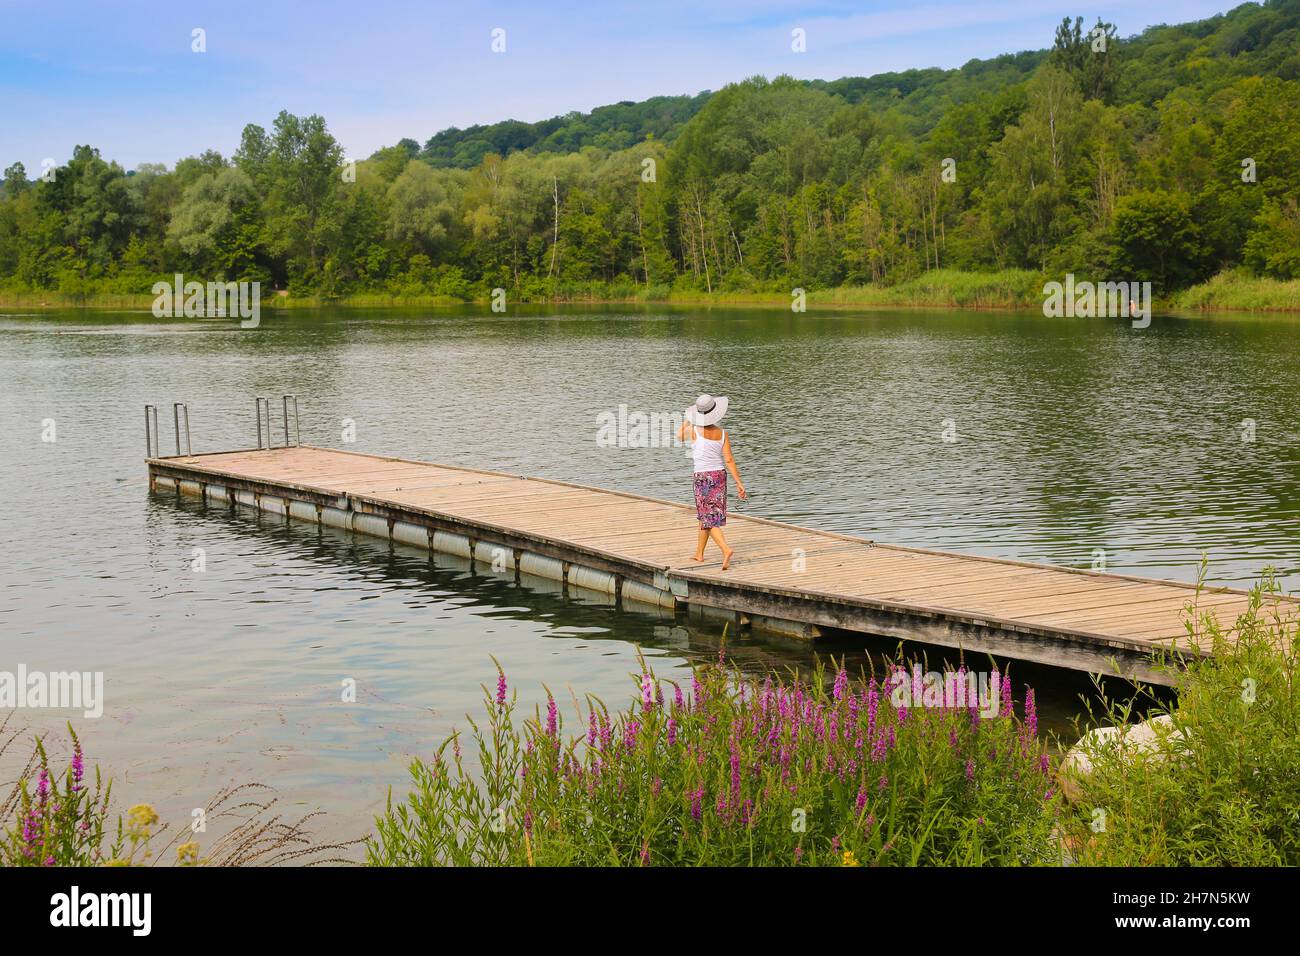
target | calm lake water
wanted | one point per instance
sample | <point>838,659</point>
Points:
<point>1072,438</point>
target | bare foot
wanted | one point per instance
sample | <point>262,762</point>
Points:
<point>697,557</point>
<point>726,558</point>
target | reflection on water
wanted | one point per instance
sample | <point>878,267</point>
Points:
<point>1072,437</point>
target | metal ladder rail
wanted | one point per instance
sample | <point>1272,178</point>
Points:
<point>262,409</point>
<point>152,440</point>
<point>267,440</point>
<point>297,426</point>
<point>181,411</point>
<point>153,436</point>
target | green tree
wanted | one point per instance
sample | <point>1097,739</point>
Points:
<point>1158,240</point>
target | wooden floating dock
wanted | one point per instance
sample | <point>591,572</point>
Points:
<point>783,578</point>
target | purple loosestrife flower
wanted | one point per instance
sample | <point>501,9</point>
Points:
<point>647,691</point>
<point>672,731</point>
<point>883,785</point>
<point>678,702</point>
<point>841,684</point>
<point>1008,702</point>
<point>697,803</point>
<point>78,768</point>
<point>552,715</point>
<point>970,768</point>
<point>501,688</point>
<point>878,748</point>
<point>31,833</point>
<point>873,706</point>
<point>591,729</point>
<point>629,734</point>
<point>1045,764</point>
<point>861,802</point>
<point>1031,713</point>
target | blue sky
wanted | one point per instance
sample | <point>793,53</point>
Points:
<point>121,76</point>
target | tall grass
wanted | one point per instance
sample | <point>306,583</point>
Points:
<point>731,771</point>
<point>42,299</point>
<point>1222,786</point>
<point>1232,290</point>
<point>1240,291</point>
<point>945,288</point>
<point>59,819</point>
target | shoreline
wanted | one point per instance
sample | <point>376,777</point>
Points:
<point>1010,290</point>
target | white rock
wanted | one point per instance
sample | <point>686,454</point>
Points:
<point>1156,737</point>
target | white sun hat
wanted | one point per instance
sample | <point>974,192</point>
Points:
<point>707,410</point>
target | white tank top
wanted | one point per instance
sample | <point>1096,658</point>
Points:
<point>707,452</point>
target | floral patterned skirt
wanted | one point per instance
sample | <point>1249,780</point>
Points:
<point>711,498</point>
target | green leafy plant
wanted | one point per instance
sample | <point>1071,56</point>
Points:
<point>732,771</point>
<point>1217,783</point>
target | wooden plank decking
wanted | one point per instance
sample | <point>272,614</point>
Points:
<point>782,576</point>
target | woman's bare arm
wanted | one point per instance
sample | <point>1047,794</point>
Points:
<point>731,466</point>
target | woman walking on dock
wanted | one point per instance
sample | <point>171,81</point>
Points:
<point>711,449</point>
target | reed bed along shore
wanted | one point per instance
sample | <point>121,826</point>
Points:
<point>1009,289</point>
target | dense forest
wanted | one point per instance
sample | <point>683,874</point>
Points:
<point>1170,156</point>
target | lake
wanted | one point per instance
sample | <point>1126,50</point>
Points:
<point>1070,442</point>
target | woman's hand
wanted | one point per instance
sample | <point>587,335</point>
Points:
<point>740,490</point>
